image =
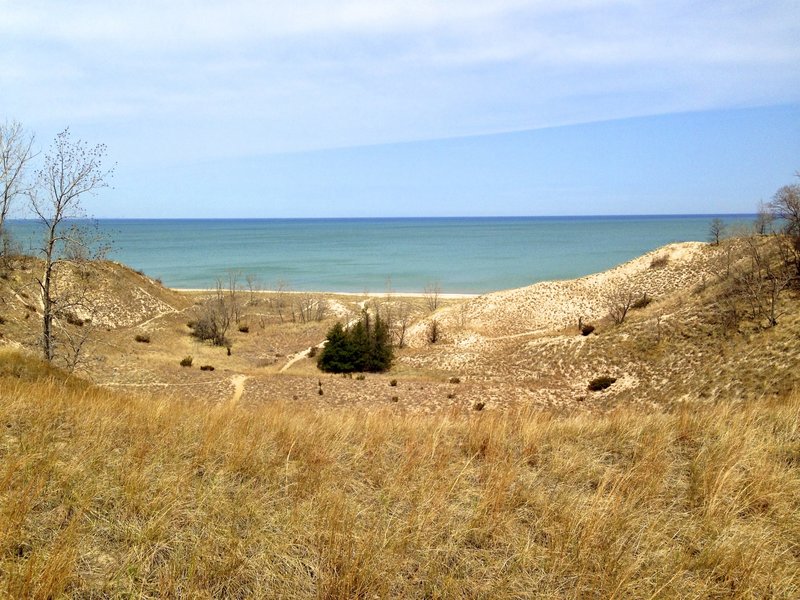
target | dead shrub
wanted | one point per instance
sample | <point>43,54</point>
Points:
<point>659,262</point>
<point>601,383</point>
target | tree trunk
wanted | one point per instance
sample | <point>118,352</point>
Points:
<point>47,314</point>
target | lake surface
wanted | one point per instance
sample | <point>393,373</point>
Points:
<point>464,255</point>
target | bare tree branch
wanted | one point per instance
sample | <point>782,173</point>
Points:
<point>71,170</point>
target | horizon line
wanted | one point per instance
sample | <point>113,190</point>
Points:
<point>417,217</point>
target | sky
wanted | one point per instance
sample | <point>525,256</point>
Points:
<point>416,108</point>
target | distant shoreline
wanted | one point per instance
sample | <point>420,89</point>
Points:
<point>393,294</point>
<point>470,256</point>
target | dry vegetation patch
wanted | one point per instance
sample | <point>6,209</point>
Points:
<point>111,495</point>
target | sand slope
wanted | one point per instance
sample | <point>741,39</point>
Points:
<point>553,305</point>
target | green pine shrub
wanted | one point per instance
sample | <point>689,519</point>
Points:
<point>366,347</point>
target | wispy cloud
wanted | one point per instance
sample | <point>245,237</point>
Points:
<point>231,78</point>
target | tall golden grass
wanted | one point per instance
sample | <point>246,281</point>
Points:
<point>107,495</point>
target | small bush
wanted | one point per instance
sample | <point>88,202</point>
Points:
<point>208,328</point>
<point>320,392</point>
<point>312,352</point>
<point>478,406</point>
<point>142,338</point>
<point>455,380</point>
<point>434,332</point>
<point>600,383</point>
<point>74,320</point>
<point>360,377</point>
<point>206,368</point>
<point>191,324</point>
<point>587,329</point>
<point>186,361</point>
<point>393,383</point>
<point>244,329</point>
<point>395,398</point>
<point>451,395</point>
<point>659,262</point>
<point>2,321</point>
<point>642,302</point>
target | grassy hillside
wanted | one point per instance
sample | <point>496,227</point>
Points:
<point>111,495</point>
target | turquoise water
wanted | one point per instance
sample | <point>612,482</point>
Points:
<point>465,255</point>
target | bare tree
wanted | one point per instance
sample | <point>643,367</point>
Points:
<point>764,220</point>
<point>755,281</point>
<point>309,307</point>
<point>71,171</point>
<point>432,292</point>
<point>216,317</point>
<point>767,275</point>
<point>716,230</point>
<point>403,314</point>
<point>785,207</point>
<point>253,287</point>
<point>279,299</point>
<point>234,303</point>
<point>15,154</point>
<point>619,302</point>
<point>396,314</point>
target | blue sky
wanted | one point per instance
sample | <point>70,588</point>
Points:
<point>375,108</point>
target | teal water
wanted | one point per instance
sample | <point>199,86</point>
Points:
<point>465,255</point>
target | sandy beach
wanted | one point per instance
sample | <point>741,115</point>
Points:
<point>393,294</point>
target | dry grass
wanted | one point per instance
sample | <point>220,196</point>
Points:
<point>105,495</point>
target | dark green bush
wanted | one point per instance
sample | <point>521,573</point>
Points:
<point>600,383</point>
<point>365,347</point>
<point>186,361</point>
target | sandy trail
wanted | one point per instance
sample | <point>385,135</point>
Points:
<point>158,316</point>
<point>294,358</point>
<point>238,382</point>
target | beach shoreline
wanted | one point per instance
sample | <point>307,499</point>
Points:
<point>392,294</point>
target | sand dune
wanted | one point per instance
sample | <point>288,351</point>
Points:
<point>554,305</point>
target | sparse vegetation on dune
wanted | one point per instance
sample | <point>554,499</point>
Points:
<point>108,495</point>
